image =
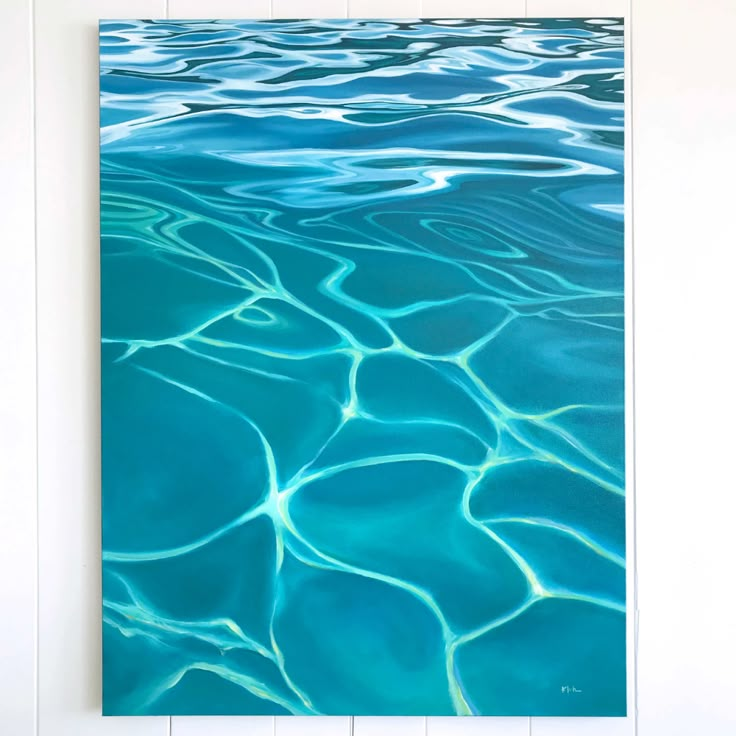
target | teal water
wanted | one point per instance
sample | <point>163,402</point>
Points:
<point>363,367</point>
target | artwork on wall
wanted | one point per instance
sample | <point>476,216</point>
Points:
<point>363,367</point>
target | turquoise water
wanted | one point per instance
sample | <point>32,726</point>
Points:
<point>363,367</point>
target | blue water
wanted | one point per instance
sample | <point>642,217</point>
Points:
<point>363,367</point>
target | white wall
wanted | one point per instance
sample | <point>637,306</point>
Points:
<point>682,98</point>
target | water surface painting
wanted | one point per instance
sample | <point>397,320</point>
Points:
<point>363,367</point>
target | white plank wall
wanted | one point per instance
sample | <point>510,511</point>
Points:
<point>479,726</point>
<point>17,378</point>
<point>221,726</point>
<point>315,9</point>
<point>577,8</point>
<point>218,9</point>
<point>473,9</point>
<point>683,103</point>
<point>684,159</point>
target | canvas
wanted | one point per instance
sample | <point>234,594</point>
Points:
<point>363,367</point>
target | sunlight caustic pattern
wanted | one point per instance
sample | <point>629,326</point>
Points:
<point>362,367</point>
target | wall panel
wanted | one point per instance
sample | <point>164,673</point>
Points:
<point>684,159</point>
<point>577,8</point>
<point>473,9</point>
<point>384,8</point>
<point>221,726</point>
<point>219,9</point>
<point>478,726</point>
<point>17,377</point>
<point>311,9</point>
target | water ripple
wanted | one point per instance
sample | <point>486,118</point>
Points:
<point>362,316</point>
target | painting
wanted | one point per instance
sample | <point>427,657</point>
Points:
<point>363,376</point>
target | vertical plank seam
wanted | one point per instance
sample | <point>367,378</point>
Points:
<point>34,194</point>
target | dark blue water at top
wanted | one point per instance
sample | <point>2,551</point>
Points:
<point>363,367</point>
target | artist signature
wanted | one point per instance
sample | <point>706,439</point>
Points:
<point>569,689</point>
